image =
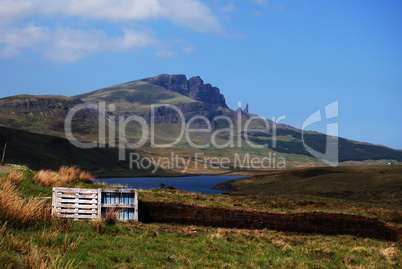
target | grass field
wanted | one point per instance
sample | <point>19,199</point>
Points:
<point>55,243</point>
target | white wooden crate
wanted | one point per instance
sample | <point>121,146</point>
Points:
<point>79,203</point>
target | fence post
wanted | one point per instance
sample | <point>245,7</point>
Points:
<point>4,153</point>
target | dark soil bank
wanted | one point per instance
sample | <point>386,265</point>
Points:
<point>306,222</point>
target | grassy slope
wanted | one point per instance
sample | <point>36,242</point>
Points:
<point>50,152</point>
<point>290,141</point>
<point>376,184</point>
<point>50,121</point>
<point>138,245</point>
<point>133,96</point>
<point>29,96</point>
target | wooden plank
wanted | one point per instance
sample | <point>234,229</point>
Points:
<point>72,216</point>
<point>81,201</point>
<point>74,190</point>
<point>75,193</point>
<point>95,206</point>
<point>69,202</point>
<point>78,211</point>
<point>63,203</point>
<point>62,195</point>
<point>75,198</point>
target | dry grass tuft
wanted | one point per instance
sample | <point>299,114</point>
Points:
<point>46,178</point>
<point>18,245</point>
<point>65,175</point>
<point>97,225</point>
<point>111,216</point>
<point>219,234</point>
<point>36,258</point>
<point>18,211</point>
<point>86,177</point>
<point>390,254</point>
<point>279,243</point>
<point>61,224</point>
<point>70,244</point>
<point>14,176</point>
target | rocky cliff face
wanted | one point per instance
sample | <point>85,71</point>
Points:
<point>193,88</point>
<point>42,106</point>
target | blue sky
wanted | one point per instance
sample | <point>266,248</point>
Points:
<point>286,58</point>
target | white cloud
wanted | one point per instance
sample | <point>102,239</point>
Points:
<point>133,39</point>
<point>165,54</point>
<point>192,14</point>
<point>189,13</point>
<point>70,45</point>
<point>9,52</point>
<point>64,43</point>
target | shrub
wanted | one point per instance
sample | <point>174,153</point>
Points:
<point>65,175</point>
<point>15,177</point>
<point>111,216</point>
<point>46,178</point>
<point>18,211</point>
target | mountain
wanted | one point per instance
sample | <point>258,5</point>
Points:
<point>216,123</point>
<point>136,97</point>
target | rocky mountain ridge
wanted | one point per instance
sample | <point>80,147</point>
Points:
<point>193,88</point>
<point>58,106</point>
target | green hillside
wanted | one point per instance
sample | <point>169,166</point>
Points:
<point>45,114</point>
<point>368,184</point>
<point>39,151</point>
<point>134,96</point>
<point>290,141</point>
<point>29,96</point>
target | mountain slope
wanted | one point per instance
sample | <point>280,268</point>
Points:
<point>46,114</point>
<point>39,151</point>
<point>135,96</point>
<point>290,141</point>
